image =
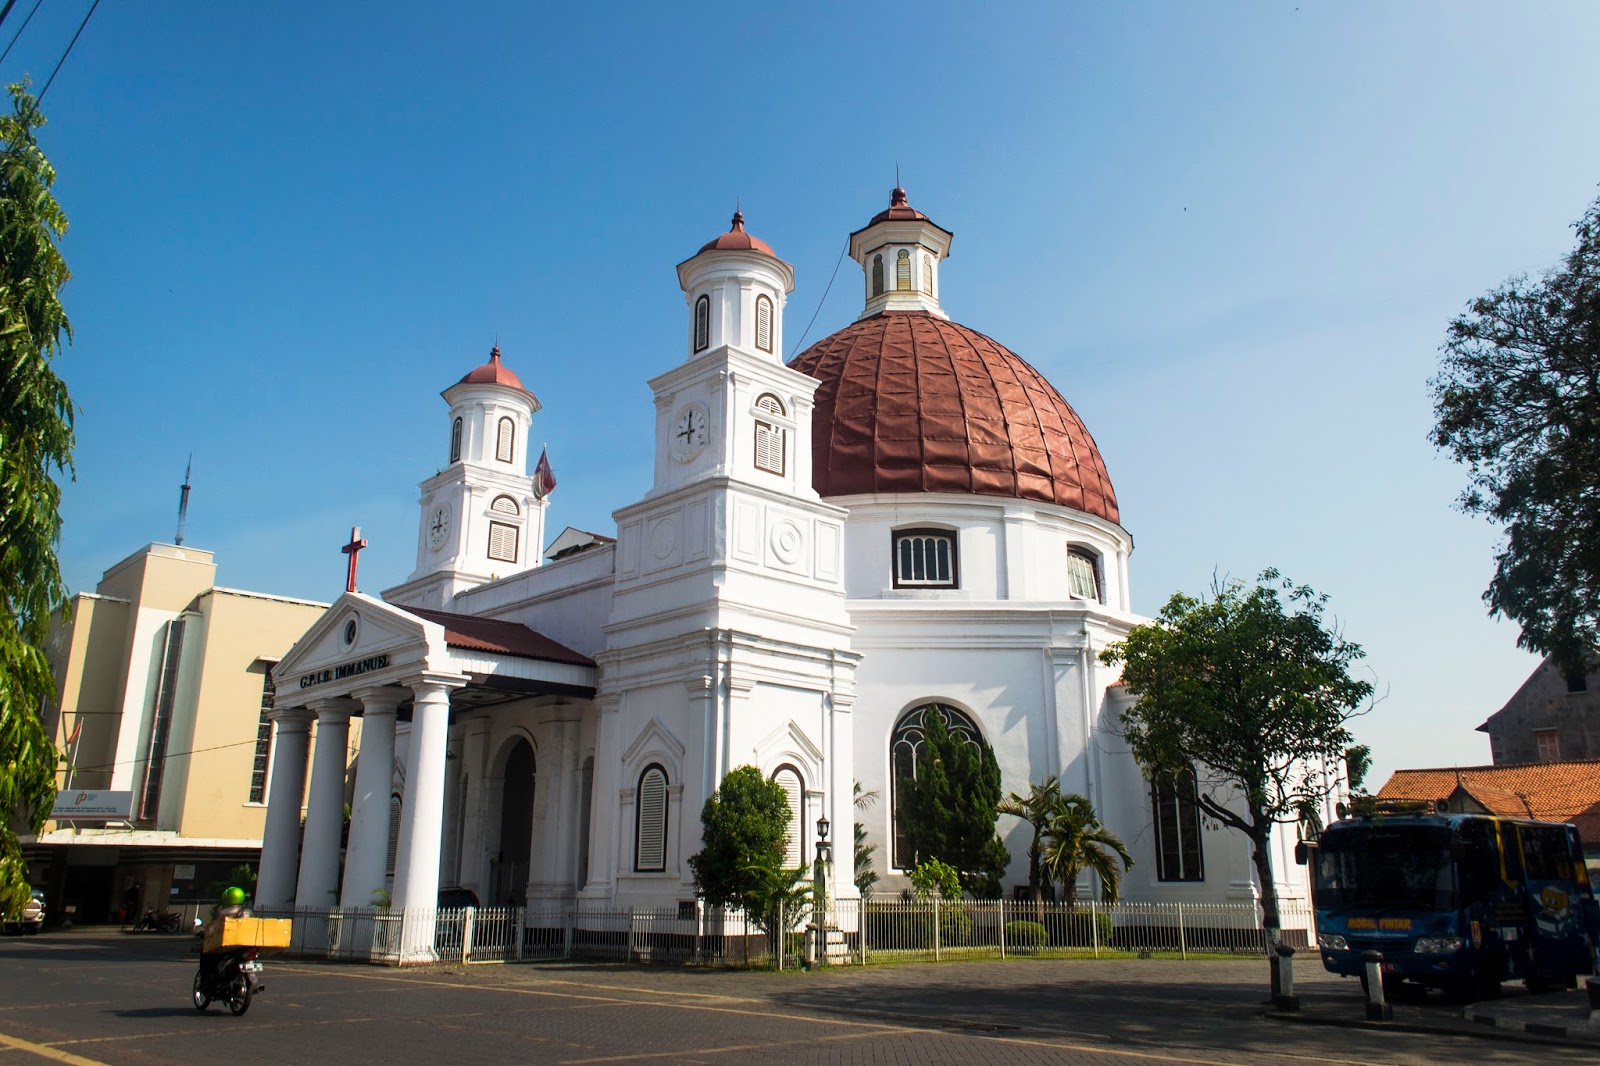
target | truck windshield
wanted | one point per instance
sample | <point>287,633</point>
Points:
<point>1402,867</point>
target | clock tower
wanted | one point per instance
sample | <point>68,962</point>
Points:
<point>481,516</point>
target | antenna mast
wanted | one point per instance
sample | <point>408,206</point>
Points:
<point>183,499</point>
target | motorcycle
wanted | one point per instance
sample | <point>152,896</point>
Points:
<point>152,922</point>
<point>229,977</point>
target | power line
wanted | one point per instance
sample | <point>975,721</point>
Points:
<point>169,755</point>
<point>822,301</point>
<point>20,28</point>
<point>40,98</point>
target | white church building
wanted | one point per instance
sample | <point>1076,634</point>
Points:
<point>906,520</point>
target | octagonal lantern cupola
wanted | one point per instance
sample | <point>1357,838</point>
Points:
<point>491,415</point>
<point>900,251</point>
<point>735,288</point>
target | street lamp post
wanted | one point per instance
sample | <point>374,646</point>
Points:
<point>819,893</point>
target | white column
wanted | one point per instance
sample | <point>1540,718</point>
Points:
<point>280,844</point>
<point>603,823</point>
<point>474,842</point>
<point>841,806</point>
<point>566,870</point>
<point>367,854</point>
<point>319,852</point>
<point>416,875</point>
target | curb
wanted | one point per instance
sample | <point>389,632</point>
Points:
<point>1485,1028</point>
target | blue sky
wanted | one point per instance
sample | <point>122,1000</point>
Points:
<point>1232,235</point>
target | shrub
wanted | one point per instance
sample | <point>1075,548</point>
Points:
<point>1026,936</point>
<point>1071,928</point>
<point>955,926</point>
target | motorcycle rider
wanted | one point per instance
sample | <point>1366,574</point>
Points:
<point>232,905</point>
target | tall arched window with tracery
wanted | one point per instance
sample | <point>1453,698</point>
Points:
<point>455,441</point>
<point>702,323</point>
<point>794,789</point>
<point>650,830</point>
<point>902,271</point>
<point>764,323</point>
<point>505,441</point>
<point>877,275</point>
<point>906,751</point>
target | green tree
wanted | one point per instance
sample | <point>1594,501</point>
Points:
<point>865,876</point>
<point>949,808</point>
<point>743,826</point>
<point>1074,841</point>
<point>1037,808</point>
<point>35,445</point>
<point>776,898</point>
<point>1254,689</point>
<point>1517,399</point>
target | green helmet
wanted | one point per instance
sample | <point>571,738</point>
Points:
<point>233,896</point>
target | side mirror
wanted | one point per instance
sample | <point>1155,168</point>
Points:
<point>1301,853</point>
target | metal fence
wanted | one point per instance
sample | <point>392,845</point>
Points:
<point>859,932</point>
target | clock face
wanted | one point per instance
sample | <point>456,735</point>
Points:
<point>439,526</point>
<point>689,432</point>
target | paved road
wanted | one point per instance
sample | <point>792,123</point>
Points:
<point>81,998</point>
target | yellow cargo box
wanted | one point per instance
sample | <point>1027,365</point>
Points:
<point>263,934</point>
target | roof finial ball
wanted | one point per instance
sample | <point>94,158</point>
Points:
<point>897,198</point>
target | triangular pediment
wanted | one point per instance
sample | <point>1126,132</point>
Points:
<point>654,737</point>
<point>360,635</point>
<point>788,740</point>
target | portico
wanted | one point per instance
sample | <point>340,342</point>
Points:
<point>433,685</point>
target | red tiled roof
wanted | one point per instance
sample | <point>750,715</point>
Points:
<point>898,210</point>
<point>499,637</point>
<point>911,402</point>
<point>1567,791</point>
<point>737,240</point>
<point>494,372</point>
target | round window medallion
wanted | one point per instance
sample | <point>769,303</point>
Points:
<point>663,539</point>
<point>350,632</point>
<point>787,541</point>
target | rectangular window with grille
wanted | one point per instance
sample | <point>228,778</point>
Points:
<point>1083,576</point>
<point>1177,825</point>
<point>263,757</point>
<point>924,558</point>
<point>503,542</point>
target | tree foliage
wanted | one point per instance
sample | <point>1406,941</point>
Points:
<point>865,876</point>
<point>1075,841</point>
<point>1517,399</point>
<point>35,446</point>
<point>949,808</point>
<point>1037,808</point>
<point>743,826</point>
<point>1254,685</point>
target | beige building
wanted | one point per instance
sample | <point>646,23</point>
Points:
<point>163,683</point>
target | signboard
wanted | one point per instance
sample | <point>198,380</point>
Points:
<point>82,805</point>
<point>183,871</point>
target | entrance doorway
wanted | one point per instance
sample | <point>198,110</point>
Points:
<point>509,873</point>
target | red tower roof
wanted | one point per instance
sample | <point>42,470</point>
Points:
<point>494,372</point>
<point>911,402</point>
<point>737,240</point>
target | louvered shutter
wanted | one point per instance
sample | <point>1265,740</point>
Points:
<point>503,542</point>
<point>763,323</point>
<point>505,440</point>
<point>793,843</point>
<point>650,852</point>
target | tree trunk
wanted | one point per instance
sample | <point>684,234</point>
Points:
<point>1034,888</point>
<point>1269,888</point>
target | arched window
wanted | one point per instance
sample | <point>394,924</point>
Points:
<point>455,441</point>
<point>769,436</point>
<point>1083,575</point>
<point>764,323</point>
<point>927,273</point>
<point>1176,815</point>
<point>905,758</point>
<point>505,505</point>
<point>505,443</point>
<point>925,558</point>
<point>702,323</point>
<point>902,271</point>
<point>650,830</point>
<point>394,835</point>
<point>794,788</point>
<point>877,275</point>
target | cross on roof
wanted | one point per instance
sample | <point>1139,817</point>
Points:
<point>353,549</point>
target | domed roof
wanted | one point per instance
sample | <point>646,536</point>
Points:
<point>737,240</point>
<point>899,210</point>
<point>494,372</point>
<point>911,402</point>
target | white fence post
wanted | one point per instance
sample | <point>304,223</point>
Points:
<point>1001,907</point>
<point>936,927</point>
<point>1183,945</point>
<point>1094,928</point>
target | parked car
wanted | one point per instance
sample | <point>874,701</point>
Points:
<point>457,898</point>
<point>32,918</point>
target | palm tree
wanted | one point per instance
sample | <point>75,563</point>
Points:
<point>865,875</point>
<point>1038,808</point>
<point>1075,841</point>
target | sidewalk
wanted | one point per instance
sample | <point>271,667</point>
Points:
<point>1552,1017</point>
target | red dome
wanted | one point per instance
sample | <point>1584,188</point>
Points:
<point>911,402</point>
<point>737,240</point>
<point>494,372</point>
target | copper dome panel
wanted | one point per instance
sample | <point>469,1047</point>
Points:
<point>911,402</point>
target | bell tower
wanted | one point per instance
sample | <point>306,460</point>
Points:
<point>481,516</point>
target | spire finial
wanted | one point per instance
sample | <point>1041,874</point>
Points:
<point>494,353</point>
<point>738,215</point>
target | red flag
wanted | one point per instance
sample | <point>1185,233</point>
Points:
<point>544,479</point>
